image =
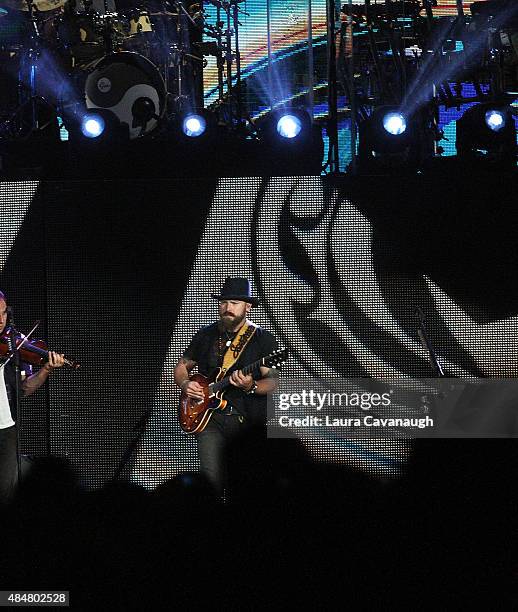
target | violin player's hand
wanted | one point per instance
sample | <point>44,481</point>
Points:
<point>35,381</point>
<point>56,360</point>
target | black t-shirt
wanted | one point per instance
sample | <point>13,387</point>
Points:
<point>207,349</point>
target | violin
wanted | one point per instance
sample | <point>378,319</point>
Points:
<point>32,351</point>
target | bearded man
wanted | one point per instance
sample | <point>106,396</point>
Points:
<point>233,334</point>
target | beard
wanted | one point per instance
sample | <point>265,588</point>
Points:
<point>229,323</point>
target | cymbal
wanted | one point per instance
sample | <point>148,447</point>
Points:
<point>164,14</point>
<point>40,5</point>
<point>222,3</point>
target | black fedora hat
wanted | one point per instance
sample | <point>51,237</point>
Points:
<point>236,289</point>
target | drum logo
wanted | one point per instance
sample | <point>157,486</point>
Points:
<point>104,85</point>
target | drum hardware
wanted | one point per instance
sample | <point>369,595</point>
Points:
<point>217,33</point>
<point>179,54</point>
<point>140,23</point>
<point>36,6</point>
<point>229,58</point>
<point>235,10</point>
<point>82,37</point>
<point>226,32</point>
<point>25,119</point>
<point>207,48</point>
<point>151,49</point>
<point>164,14</point>
<point>117,28</point>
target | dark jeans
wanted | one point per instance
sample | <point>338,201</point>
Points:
<point>8,464</point>
<point>211,446</point>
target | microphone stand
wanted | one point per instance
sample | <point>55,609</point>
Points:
<point>427,344</point>
<point>138,431</point>
<point>434,361</point>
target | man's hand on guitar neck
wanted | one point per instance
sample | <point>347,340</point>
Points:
<point>238,379</point>
<point>265,385</point>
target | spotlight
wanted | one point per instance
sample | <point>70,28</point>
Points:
<point>486,132</point>
<point>92,125</point>
<point>495,120</point>
<point>289,126</point>
<point>97,141</point>
<point>394,123</point>
<point>289,143</point>
<point>392,140</point>
<point>95,127</point>
<point>194,125</point>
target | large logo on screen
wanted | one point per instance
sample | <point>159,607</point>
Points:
<point>331,304</point>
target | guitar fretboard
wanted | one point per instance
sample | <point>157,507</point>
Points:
<point>224,382</point>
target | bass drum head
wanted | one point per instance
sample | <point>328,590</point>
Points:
<point>130,86</point>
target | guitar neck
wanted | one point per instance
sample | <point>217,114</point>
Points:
<point>224,382</point>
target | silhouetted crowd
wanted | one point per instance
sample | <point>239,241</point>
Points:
<point>292,532</point>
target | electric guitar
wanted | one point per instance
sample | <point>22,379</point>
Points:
<point>195,414</point>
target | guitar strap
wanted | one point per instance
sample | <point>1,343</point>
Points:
<point>232,354</point>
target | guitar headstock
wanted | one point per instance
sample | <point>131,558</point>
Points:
<point>275,359</point>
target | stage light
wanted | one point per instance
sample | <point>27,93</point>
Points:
<point>97,141</point>
<point>92,125</point>
<point>194,125</point>
<point>95,127</point>
<point>288,143</point>
<point>495,120</point>
<point>289,126</point>
<point>486,133</point>
<point>393,141</point>
<point>394,123</point>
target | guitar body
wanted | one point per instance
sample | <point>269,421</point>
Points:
<point>194,415</point>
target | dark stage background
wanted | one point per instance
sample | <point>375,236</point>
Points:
<point>121,275</point>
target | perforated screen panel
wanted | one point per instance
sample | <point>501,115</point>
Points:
<point>122,274</point>
<point>22,274</point>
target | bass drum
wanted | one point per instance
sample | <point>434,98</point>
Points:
<point>131,87</point>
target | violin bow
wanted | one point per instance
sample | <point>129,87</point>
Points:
<point>25,338</point>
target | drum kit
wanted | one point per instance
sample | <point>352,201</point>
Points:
<point>143,61</point>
